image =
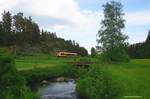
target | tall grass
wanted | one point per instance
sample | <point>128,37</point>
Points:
<point>132,78</point>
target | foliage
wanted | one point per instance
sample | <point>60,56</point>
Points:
<point>148,37</point>
<point>93,52</point>
<point>28,29</point>
<point>6,21</point>
<point>5,28</point>
<point>12,85</point>
<point>140,50</point>
<point>112,41</point>
<point>96,84</point>
<point>116,54</point>
<point>23,36</point>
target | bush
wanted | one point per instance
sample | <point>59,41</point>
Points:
<point>96,85</point>
<point>116,54</point>
<point>12,86</point>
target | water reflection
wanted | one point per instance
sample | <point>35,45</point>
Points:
<point>59,90</point>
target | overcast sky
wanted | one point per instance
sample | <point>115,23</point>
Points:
<point>79,20</point>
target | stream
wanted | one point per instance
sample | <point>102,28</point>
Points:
<point>59,90</point>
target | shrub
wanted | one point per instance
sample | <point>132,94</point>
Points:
<point>116,54</point>
<point>96,85</point>
<point>12,86</point>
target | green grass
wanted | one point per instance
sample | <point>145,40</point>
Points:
<point>43,67</point>
<point>32,62</point>
<point>132,78</point>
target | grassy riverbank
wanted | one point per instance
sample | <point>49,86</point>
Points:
<point>132,79</point>
<point>43,67</point>
<point>117,81</point>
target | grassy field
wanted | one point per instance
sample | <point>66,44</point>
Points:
<point>132,78</point>
<point>42,61</point>
<point>35,69</point>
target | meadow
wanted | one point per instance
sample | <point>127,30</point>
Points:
<point>132,79</point>
<point>40,61</point>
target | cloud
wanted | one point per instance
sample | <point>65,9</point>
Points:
<point>67,10</point>
<point>75,22</point>
<point>7,5</point>
<point>138,18</point>
<point>68,19</point>
<point>57,27</point>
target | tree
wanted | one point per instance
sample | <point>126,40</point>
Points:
<point>5,31</point>
<point>28,30</point>
<point>18,22</point>
<point>148,37</point>
<point>22,35</point>
<point>7,21</point>
<point>31,31</point>
<point>1,34</point>
<point>112,41</point>
<point>140,50</point>
<point>93,52</point>
<point>35,34</point>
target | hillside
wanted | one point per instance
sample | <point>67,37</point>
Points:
<point>23,36</point>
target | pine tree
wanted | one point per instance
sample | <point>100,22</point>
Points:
<point>6,26</point>
<point>148,37</point>
<point>7,21</point>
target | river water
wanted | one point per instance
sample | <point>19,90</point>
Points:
<point>59,90</point>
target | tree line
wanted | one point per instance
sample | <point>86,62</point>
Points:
<point>140,50</point>
<point>23,36</point>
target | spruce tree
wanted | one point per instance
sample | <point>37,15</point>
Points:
<point>148,37</point>
<point>6,21</point>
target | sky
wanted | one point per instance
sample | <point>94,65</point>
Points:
<point>79,20</point>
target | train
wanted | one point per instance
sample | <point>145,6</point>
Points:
<point>65,54</point>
